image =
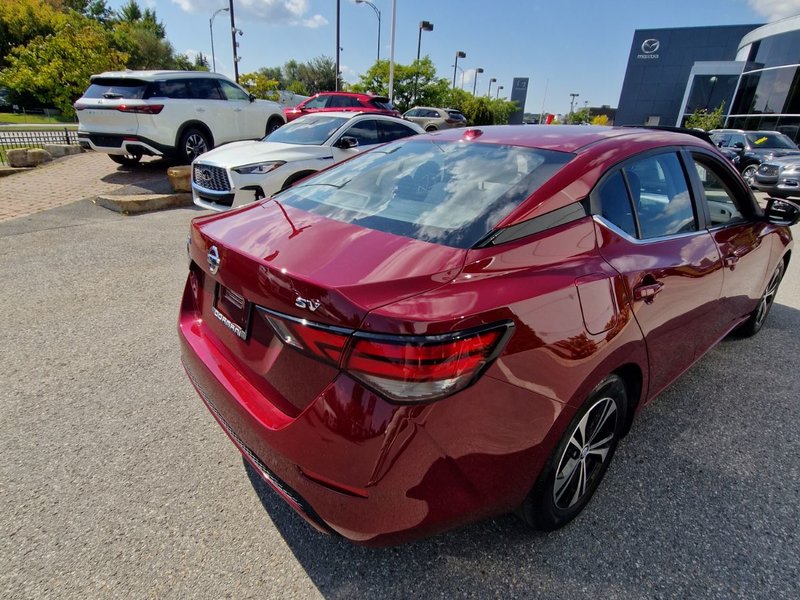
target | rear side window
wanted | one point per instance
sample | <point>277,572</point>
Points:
<point>382,105</point>
<point>204,89</point>
<point>113,88</point>
<point>233,92</point>
<point>445,193</point>
<point>456,116</point>
<point>390,131</point>
<point>343,102</point>
<point>169,89</point>
<point>366,132</point>
<point>615,204</point>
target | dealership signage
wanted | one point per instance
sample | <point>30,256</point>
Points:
<point>649,49</point>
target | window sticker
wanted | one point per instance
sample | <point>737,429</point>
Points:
<point>761,140</point>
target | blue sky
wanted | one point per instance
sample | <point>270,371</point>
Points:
<point>566,46</point>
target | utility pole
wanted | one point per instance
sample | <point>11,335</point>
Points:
<point>572,102</point>
<point>234,42</point>
<point>338,47</point>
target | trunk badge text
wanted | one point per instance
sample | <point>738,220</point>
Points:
<point>311,305</point>
<point>238,331</point>
<point>213,260</point>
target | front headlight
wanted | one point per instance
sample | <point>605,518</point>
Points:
<point>259,168</point>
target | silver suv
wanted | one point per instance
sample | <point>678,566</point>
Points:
<point>181,114</point>
<point>433,119</point>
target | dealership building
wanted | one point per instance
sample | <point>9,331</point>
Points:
<point>753,69</point>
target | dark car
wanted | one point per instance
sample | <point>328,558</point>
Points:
<point>342,101</point>
<point>748,149</point>
<point>779,177</point>
<point>463,324</point>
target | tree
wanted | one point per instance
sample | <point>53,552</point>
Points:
<point>22,21</point>
<point>600,120</point>
<point>184,63</point>
<point>478,110</point>
<point>260,85</point>
<point>318,74</point>
<point>702,119</point>
<point>144,48</point>
<point>578,117</point>
<point>55,69</point>
<point>430,89</point>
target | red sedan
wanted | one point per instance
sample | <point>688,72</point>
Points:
<point>463,324</point>
<point>339,101</point>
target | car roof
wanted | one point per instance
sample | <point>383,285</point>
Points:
<point>158,75</point>
<point>564,138</point>
<point>350,114</point>
<point>353,95</point>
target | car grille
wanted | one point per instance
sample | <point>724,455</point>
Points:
<point>768,170</point>
<point>211,178</point>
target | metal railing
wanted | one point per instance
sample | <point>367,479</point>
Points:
<point>11,138</point>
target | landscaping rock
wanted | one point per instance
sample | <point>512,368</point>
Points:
<point>18,157</point>
<point>38,156</point>
<point>180,178</point>
<point>59,150</point>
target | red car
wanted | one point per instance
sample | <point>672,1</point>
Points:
<point>463,324</point>
<point>338,101</point>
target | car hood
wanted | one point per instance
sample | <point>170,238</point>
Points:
<point>245,153</point>
<point>770,153</point>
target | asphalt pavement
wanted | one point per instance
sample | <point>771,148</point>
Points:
<point>115,481</point>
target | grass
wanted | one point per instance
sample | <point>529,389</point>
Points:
<point>16,118</point>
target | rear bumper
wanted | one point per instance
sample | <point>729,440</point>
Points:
<point>374,472</point>
<point>122,144</point>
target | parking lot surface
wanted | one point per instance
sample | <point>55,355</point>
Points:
<point>115,481</point>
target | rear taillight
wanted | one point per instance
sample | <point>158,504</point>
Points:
<point>148,109</point>
<point>401,368</point>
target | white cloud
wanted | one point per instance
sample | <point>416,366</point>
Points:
<point>775,9</point>
<point>272,12</point>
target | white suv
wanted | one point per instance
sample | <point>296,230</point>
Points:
<point>181,114</point>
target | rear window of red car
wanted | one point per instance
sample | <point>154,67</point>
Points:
<point>450,193</point>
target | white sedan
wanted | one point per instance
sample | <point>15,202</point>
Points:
<point>241,172</point>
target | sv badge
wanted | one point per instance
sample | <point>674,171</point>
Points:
<point>311,305</point>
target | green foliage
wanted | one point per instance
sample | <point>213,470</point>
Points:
<point>502,110</point>
<point>144,48</point>
<point>55,69</point>
<point>297,87</point>
<point>579,117</point>
<point>260,85</point>
<point>315,75</point>
<point>420,75</point>
<point>702,119</point>
<point>184,63</point>
<point>600,120</point>
<point>23,20</point>
<point>478,110</point>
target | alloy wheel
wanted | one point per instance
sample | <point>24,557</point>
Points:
<point>587,450</point>
<point>195,145</point>
<point>769,296</point>
<point>749,174</point>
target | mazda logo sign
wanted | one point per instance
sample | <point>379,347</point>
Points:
<point>650,46</point>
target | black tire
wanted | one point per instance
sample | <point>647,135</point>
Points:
<point>295,178</point>
<point>749,173</point>
<point>192,144</point>
<point>273,124</point>
<point>430,128</point>
<point>757,318</point>
<point>579,462</point>
<point>127,160</point>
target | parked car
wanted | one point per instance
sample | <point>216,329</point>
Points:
<point>241,172</point>
<point>779,177</point>
<point>433,119</point>
<point>747,149</point>
<point>458,325</point>
<point>342,101</point>
<point>181,114</point>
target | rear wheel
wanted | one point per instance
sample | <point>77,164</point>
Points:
<point>756,320</point>
<point>193,143</point>
<point>126,160</point>
<point>273,124</point>
<point>580,460</point>
<point>431,128</point>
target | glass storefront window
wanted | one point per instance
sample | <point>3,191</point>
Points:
<point>709,91</point>
<point>775,91</point>
<point>778,50</point>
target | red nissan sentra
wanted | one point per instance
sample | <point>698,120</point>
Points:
<point>463,324</point>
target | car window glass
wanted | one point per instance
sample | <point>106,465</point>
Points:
<point>366,132</point>
<point>310,130</point>
<point>169,89</point>
<point>661,196</point>
<point>204,89</point>
<point>414,112</point>
<point>105,87</point>
<point>233,92</point>
<point>318,102</point>
<point>766,139</point>
<point>390,131</point>
<point>736,138</point>
<point>432,114</point>
<point>615,203</point>
<point>718,198</point>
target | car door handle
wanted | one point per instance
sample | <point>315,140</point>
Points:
<point>731,259</point>
<point>647,292</point>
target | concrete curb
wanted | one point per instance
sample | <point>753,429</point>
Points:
<point>6,171</point>
<point>141,203</point>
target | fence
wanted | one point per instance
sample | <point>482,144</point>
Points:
<point>15,138</point>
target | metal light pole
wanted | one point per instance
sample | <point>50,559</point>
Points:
<point>378,14</point>
<point>572,102</point>
<point>423,26</point>
<point>499,87</point>
<point>391,51</point>
<point>491,81</point>
<point>211,29</point>
<point>338,46</point>
<point>462,76</point>
<point>459,54</point>
<point>475,80</point>
<point>235,44</point>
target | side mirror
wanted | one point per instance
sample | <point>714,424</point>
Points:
<point>346,142</point>
<point>781,212</point>
<point>738,145</point>
<point>252,98</point>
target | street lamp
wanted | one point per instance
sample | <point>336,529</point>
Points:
<point>462,76</point>
<point>211,29</point>
<point>423,26</point>
<point>499,87</point>
<point>234,43</point>
<point>459,54</point>
<point>475,80</point>
<point>572,102</point>
<point>491,81</point>
<point>377,14</point>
